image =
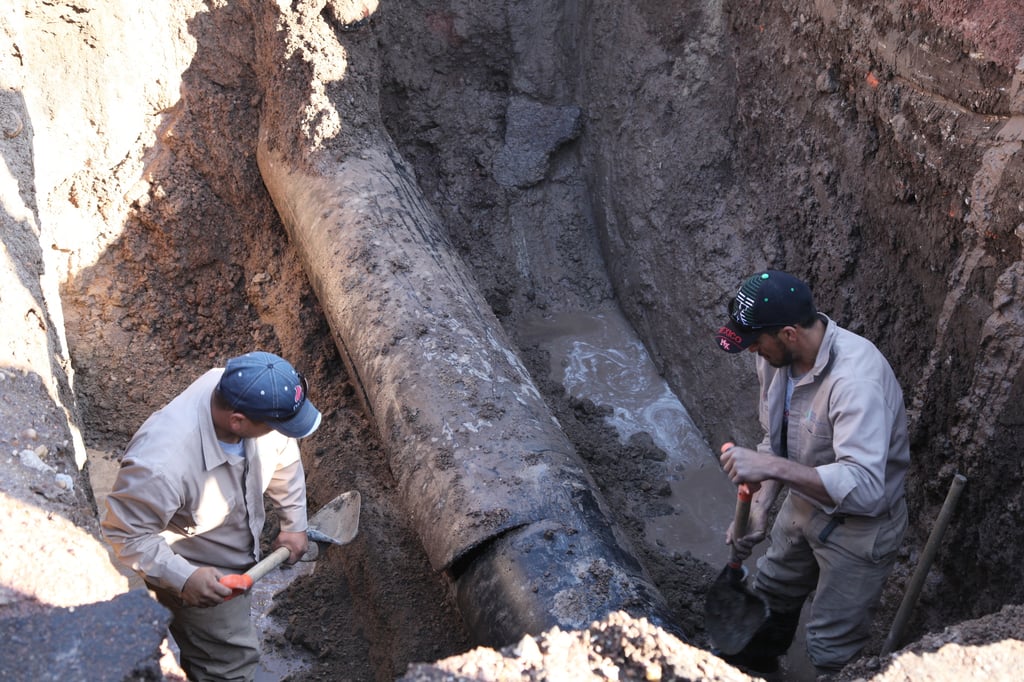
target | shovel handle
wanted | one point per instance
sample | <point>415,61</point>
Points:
<point>742,515</point>
<point>242,583</point>
<point>739,521</point>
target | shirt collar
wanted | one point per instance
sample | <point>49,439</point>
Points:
<point>213,455</point>
<point>828,341</point>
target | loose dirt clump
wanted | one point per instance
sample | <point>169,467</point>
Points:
<point>622,648</point>
<point>617,648</point>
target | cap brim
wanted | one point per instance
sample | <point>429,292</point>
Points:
<point>733,339</point>
<point>303,424</point>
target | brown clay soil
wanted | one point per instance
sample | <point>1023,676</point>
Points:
<point>144,248</point>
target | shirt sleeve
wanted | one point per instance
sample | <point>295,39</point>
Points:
<point>139,508</point>
<point>861,425</point>
<point>287,488</point>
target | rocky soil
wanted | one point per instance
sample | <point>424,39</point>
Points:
<point>649,154</point>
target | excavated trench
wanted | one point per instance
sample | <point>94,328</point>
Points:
<point>486,230</point>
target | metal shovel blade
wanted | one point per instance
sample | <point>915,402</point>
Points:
<point>337,522</point>
<point>732,614</point>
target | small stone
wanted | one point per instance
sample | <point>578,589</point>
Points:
<point>29,434</point>
<point>11,124</point>
<point>30,459</point>
<point>826,82</point>
<point>527,650</point>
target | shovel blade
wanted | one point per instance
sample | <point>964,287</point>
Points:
<point>732,614</point>
<point>337,522</point>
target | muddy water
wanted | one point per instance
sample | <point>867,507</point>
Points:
<point>598,356</point>
<point>279,658</point>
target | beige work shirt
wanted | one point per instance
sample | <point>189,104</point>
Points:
<point>846,419</point>
<point>180,501</point>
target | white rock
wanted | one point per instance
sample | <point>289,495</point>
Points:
<point>30,459</point>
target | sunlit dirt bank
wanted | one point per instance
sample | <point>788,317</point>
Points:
<point>160,160</point>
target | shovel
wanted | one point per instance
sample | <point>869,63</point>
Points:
<point>732,614</point>
<point>336,523</point>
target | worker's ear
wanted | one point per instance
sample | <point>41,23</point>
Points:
<point>238,422</point>
<point>788,334</point>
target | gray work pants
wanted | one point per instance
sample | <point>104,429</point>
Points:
<point>218,643</point>
<point>846,571</point>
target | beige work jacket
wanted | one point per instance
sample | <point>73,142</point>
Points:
<point>181,502</point>
<point>847,419</point>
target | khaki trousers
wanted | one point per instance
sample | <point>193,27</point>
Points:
<point>218,643</point>
<point>846,571</point>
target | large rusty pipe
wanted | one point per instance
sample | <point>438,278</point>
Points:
<point>494,488</point>
<point>496,492</point>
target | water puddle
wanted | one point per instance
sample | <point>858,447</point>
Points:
<point>598,356</point>
<point>279,658</point>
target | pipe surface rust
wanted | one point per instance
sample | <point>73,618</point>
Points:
<point>494,488</point>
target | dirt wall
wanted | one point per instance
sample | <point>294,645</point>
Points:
<point>877,152</point>
<point>872,148</point>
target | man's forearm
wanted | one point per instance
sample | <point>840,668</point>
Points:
<point>762,501</point>
<point>802,478</point>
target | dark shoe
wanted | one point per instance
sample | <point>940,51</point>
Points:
<point>759,666</point>
<point>825,674</point>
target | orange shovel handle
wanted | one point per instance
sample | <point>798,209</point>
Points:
<point>240,583</point>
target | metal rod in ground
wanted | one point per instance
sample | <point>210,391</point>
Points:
<point>924,565</point>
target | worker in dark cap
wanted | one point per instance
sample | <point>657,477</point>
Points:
<point>835,438</point>
<point>187,506</point>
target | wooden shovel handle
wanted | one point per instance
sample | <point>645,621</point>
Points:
<point>241,583</point>
<point>739,521</point>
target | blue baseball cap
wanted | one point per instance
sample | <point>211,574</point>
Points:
<point>767,300</point>
<point>266,388</point>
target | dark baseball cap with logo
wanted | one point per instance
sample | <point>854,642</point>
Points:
<point>767,300</point>
<point>266,388</point>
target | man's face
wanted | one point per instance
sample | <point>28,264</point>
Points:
<point>773,348</point>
